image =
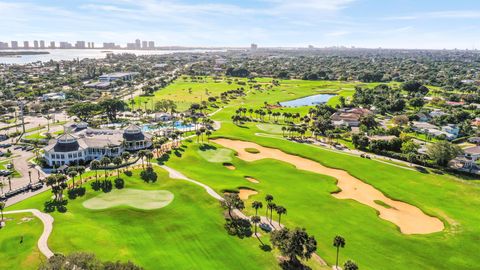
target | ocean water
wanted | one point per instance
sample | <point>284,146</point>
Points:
<point>71,54</point>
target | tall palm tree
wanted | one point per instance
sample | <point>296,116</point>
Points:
<point>148,156</point>
<point>257,205</point>
<point>280,211</point>
<point>271,206</point>
<point>117,161</point>
<point>72,173</point>
<point>268,199</point>
<point>2,206</point>
<point>80,170</point>
<point>94,165</point>
<point>126,158</point>
<point>256,219</point>
<point>141,154</point>
<point>105,161</point>
<point>338,242</point>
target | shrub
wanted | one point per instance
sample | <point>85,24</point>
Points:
<point>119,183</point>
<point>107,186</point>
<point>149,175</point>
<point>128,173</point>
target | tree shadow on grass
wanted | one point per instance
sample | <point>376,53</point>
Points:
<point>265,247</point>
<point>205,147</point>
<point>164,158</point>
<point>421,169</point>
<point>177,153</point>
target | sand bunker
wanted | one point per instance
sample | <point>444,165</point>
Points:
<point>245,193</point>
<point>251,179</point>
<point>410,219</point>
<point>135,198</point>
<point>229,166</point>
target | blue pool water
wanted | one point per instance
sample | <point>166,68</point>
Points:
<point>307,101</point>
<point>178,125</point>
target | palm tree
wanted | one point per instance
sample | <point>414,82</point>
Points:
<point>141,154</point>
<point>208,133</point>
<point>280,211</point>
<point>80,170</point>
<point>271,206</point>
<point>257,205</point>
<point>256,219</point>
<point>72,173</point>
<point>126,158</point>
<point>117,161</point>
<point>148,156</point>
<point>94,165</point>
<point>338,242</point>
<point>268,198</point>
<point>105,161</point>
<point>2,206</point>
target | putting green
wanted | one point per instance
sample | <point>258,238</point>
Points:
<point>217,155</point>
<point>140,199</point>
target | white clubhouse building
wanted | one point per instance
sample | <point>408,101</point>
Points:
<point>86,144</point>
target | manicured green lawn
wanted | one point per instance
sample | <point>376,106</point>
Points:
<point>309,203</point>
<point>186,234</point>
<point>13,253</point>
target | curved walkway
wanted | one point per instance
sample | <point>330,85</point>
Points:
<point>47,221</point>
<point>275,225</point>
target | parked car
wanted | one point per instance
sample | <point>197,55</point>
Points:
<point>265,227</point>
<point>9,166</point>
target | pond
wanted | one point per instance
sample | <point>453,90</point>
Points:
<point>307,101</point>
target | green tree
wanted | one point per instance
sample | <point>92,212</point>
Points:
<point>350,265</point>
<point>294,244</point>
<point>256,205</point>
<point>255,220</point>
<point>105,161</point>
<point>2,206</point>
<point>442,152</point>
<point>111,107</point>
<point>84,110</point>
<point>338,242</point>
<point>95,165</point>
<point>232,201</point>
<point>117,161</point>
<point>268,199</point>
<point>280,211</point>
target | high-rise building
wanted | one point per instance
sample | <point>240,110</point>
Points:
<point>253,46</point>
<point>65,45</point>
<point>137,43</point>
<point>52,44</point>
<point>3,45</point>
<point>151,45</point>
<point>42,44</point>
<point>131,46</point>
<point>14,44</point>
<point>109,45</point>
<point>35,44</point>
<point>80,44</point>
<point>144,44</point>
<point>25,45</point>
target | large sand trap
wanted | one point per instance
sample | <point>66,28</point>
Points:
<point>410,219</point>
<point>245,193</point>
<point>140,199</point>
<point>251,179</point>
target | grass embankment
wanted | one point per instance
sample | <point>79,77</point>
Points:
<point>186,234</point>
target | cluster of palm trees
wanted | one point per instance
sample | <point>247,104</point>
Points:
<point>105,161</point>
<point>270,206</point>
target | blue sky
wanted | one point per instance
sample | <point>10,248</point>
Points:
<point>362,23</point>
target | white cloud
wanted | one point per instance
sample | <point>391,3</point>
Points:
<point>449,14</point>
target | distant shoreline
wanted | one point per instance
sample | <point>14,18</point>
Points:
<point>14,53</point>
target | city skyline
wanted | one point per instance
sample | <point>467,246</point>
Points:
<point>270,23</point>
